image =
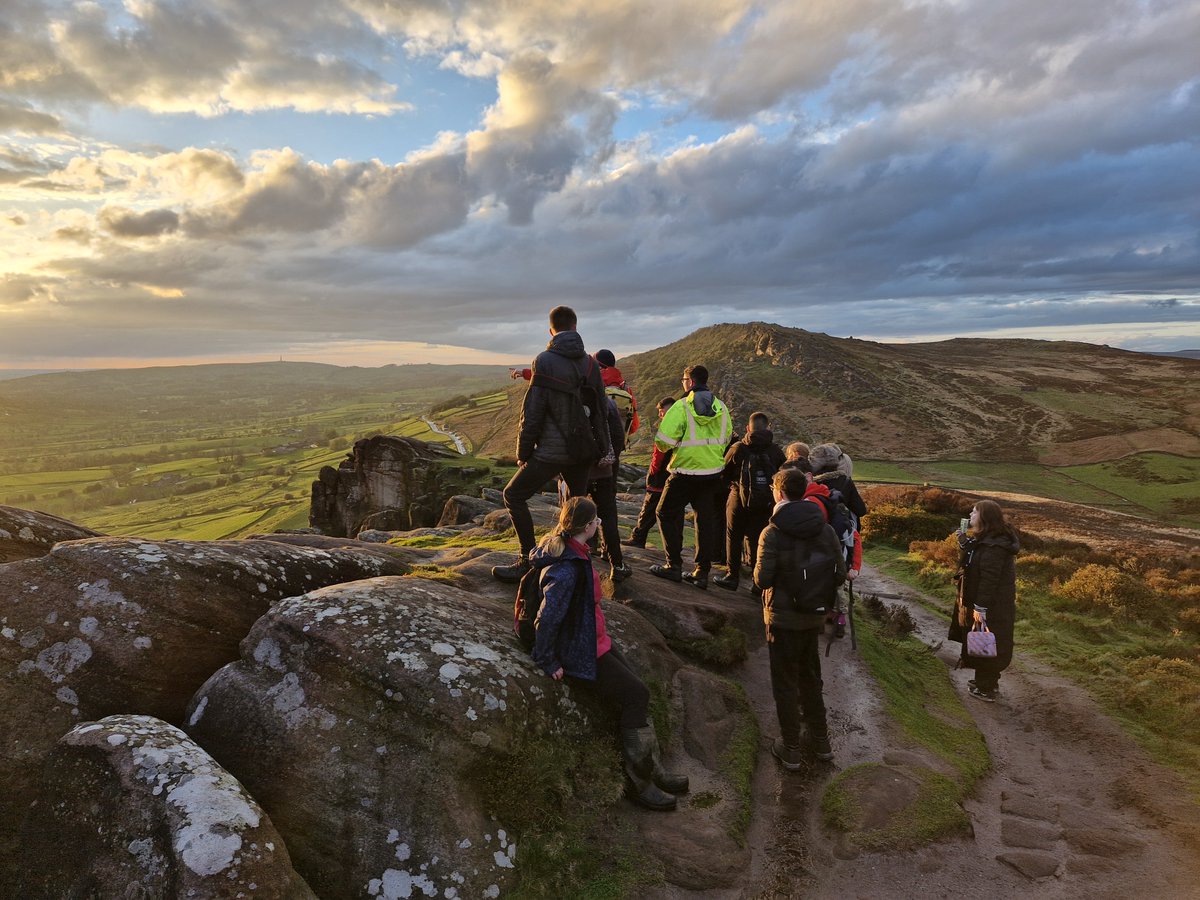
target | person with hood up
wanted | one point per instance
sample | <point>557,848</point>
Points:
<point>829,467</point>
<point>572,641</point>
<point>798,554</point>
<point>697,428</point>
<point>561,375</point>
<point>987,593</point>
<point>750,464</point>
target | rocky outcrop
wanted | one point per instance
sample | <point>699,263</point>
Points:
<point>461,509</point>
<point>119,625</point>
<point>144,812</point>
<point>370,720</point>
<point>25,534</point>
<point>385,484</point>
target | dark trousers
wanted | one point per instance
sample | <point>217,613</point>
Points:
<point>645,519</point>
<point>698,490</point>
<point>618,684</point>
<point>796,682</point>
<point>742,524</point>
<point>718,546</point>
<point>603,492</point>
<point>528,480</point>
<point>987,671</point>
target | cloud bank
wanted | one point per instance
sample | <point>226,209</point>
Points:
<point>857,167</point>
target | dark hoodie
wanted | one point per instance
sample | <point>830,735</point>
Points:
<point>987,581</point>
<point>783,549</point>
<point>735,456</point>
<point>548,402</point>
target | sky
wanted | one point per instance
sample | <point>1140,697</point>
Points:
<point>381,181</point>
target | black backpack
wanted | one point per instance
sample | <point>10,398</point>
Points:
<point>583,428</point>
<point>754,483</point>
<point>529,603</point>
<point>813,587</point>
<point>841,519</point>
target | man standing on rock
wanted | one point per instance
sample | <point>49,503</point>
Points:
<point>563,430</point>
<point>697,428</point>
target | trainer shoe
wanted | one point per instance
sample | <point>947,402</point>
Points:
<point>980,694</point>
<point>514,573</point>
<point>791,757</point>
<point>671,573</point>
<point>621,572</point>
<point>821,748</point>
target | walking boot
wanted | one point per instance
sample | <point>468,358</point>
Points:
<point>671,573</point>
<point>818,737</point>
<point>638,754</point>
<point>729,582</point>
<point>697,577</point>
<point>672,784</point>
<point>634,542</point>
<point>514,573</point>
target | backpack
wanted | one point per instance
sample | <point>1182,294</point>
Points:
<point>585,421</point>
<point>814,586</point>
<point>626,405</point>
<point>529,603</point>
<point>843,522</point>
<point>754,483</point>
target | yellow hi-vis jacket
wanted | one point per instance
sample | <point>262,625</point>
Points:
<point>699,441</point>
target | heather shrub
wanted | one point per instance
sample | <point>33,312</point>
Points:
<point>1166,689</point>
<point>1189,620</point>
<point>901,525</point>
<point>943,553</point>
<point>942,502</point>
<point>1107,589</point>
<point>1038,567</point>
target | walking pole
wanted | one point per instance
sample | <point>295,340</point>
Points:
<point>850,613</point>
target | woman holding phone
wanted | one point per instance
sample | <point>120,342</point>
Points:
<point>987,593</point>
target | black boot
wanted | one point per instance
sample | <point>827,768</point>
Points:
<point>697,577</point>
<point>671,783</point>
<point>729,582</point>
<point>638,752</point>
<point>514,573</point>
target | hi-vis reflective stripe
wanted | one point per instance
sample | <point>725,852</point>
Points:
<point>714,471</point>
<point>666,439</point>
<point>694,441</point>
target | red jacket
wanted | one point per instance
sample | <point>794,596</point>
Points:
<point>816,490</point>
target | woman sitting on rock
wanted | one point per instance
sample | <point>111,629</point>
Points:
<point>987,593</point>
<point>572,640</point>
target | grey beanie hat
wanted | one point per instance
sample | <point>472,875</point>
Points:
<point>824,457</point>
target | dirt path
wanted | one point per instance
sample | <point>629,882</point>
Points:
<point>1072,808</point>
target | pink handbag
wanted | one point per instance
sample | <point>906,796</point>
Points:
<point>981,642</point>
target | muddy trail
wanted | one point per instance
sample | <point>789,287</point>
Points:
<point>1072,807</point>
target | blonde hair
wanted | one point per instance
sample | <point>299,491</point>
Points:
<point>797,450</point>
<point>576,514</point>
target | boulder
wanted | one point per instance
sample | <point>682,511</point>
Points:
<point>121,625</point>
<point>461,509</point>
<point>385,484</point>
<point>147,813</point>
<point>372,721</point>
<point>25,534</point>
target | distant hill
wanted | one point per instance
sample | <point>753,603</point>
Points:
<point>1054,402</point>
<point>1186,354</point>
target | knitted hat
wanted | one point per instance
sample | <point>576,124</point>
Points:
<point>824,457</point>
<point>606,358</point>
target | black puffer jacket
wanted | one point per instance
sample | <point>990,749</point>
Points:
<point>836,481</point>
<point>783,550</point>
<point>987,579</point>
<point>548,402</point>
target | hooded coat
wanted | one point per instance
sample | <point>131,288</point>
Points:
<point>795,527</point>
<point>569,628</point>
<point>549,401</point>
<point>838,481</point>
<point>697,428</point>
<point>735,456</point>
<point>987,581</point>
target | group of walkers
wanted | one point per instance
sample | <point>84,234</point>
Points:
<point>788,516</point>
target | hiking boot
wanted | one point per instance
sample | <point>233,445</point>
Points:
<point>639,748</point>
<point>792,758</point>
<point>979,693</point>
<point>697,577</point>
<point>671,573</point>
<point>821,748</point>
<point>729,582</point>
<point>621,572</point>
<point>514,573</point>
<point>630,542</point>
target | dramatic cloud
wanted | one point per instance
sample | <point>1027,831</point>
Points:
<point>445,170</point>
